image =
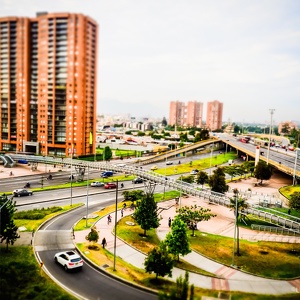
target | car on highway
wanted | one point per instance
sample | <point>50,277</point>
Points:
<point>194,172</point>
<point>22,192</point>
<point>97,184</point>
<point>138,180</point>
<point>154,168</point>
<point>169,163</point>
<point>69,260</point>
<point>106,174</point>
<point>110,185</point>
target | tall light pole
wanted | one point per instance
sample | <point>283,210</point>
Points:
<point>211,153</point>
<point>295,166</point>
<point>271,126</point>
<point>71,196</point>
<point>235,225</point>
<point>116,222</point>
<point>165,177</point>
<point>87,196</point>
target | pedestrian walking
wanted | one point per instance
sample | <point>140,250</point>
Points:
<point>103,242</point>
<point>132,206</point>
<point>108,219</point>
<point>169,222</point>
<point>122,212</point>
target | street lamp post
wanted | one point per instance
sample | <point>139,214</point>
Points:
<point>165,177</point>
<point>116,219</point>
<point>211,153</point>
<point>235,224</point>
<point>87,197</point>
<point>271,126</point>
<point>71,196</point>
<point>295,165</point>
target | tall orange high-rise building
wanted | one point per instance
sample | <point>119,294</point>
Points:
<point>48,84</point>
<point>214,115</point>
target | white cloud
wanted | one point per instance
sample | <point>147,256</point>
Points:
<point>243,53</point>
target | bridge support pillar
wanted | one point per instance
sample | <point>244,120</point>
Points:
<point>33,166</point>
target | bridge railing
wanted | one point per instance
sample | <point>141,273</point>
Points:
<point>190,189</point>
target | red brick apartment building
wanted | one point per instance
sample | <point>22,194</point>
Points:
<point>190,114</point>
<point>48,84</point>
<point>214,115</point>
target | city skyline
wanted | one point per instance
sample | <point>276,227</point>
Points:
<point>245,55</point>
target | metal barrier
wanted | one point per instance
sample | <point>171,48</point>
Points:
<point>187,188</point>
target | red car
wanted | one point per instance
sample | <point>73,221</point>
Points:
<point>110,185</point>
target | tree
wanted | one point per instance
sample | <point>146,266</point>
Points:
<point>164,122</point>
<point>249,166</point>
<point>8,230</point>
<point>146,213</point>
<point>194,214</point>
<point>183,137</point>
<point>285,129</point>
<point>201,178</point>
<point>159,261</point>
<point>294,202</point>
<point>180,292</point>
<point>217,181</point>
<point>177,239</point>
<point>238,204</point>
<point>187,179</point>
<point>141,133</point>
<point>262,171</point>
<point>231,171</point>
<point>107,154</point>
<point>93,235</point>
<point>133,195</point>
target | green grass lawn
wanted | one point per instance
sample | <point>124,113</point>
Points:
<point>22,278</point>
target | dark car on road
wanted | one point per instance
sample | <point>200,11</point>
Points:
<point>22,192</point>
<point>107,174</point>
<point>138,180</point>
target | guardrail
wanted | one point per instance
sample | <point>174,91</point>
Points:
<point>272,229</point>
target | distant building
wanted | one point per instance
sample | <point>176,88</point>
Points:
<point>214,115</point>
<point>189,114</point>
<point>48,84</point>
<point>285,128</point>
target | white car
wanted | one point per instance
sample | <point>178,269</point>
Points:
<point>169,163</point>
<point>97,184</point>
<point>194,172</point>
<point>69,260</point>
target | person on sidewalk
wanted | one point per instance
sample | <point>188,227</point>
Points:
<point>104,242</point>
<point>169,222</point>
<point>122,212</point>
<point>108,219</point>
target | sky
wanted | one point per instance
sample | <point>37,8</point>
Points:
<point>243,53</point>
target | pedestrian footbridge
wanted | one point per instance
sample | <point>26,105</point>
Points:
<point>284,221</point>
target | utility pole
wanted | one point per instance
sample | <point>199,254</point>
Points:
<point>271,126</point>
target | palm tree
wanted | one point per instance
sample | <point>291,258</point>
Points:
<point>238,204</point>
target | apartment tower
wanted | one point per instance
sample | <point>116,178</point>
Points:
<point>176,114</point>
<point>189,114</point>
<point>214,115</point>
<point>48,84</point>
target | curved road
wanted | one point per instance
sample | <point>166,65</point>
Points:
<point>89,283</point>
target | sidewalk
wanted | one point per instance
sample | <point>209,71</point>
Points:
<point>230,279</point>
